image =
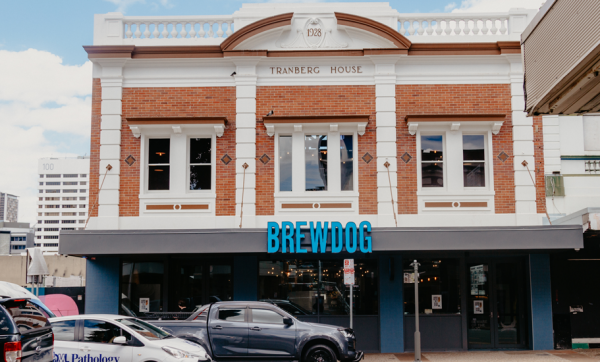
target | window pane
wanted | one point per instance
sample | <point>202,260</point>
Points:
<point>64,330</point>
<point>200,150</point>
<point>266,316</point>
<point>220,287</point>
<point>141,280</point>
<point>294,284</point>
<point>158,178</point>
<point>432,174</point>
<point>285,163</point>
<point>431,148</point>
<point>200,177</point>
<point>315,156</point>
<point>347,162</point>
<point>159,150</point>
<point>232,315</point>
<point>99,331</point>
<point>441,278</point>
<point>473,148</point>
<point>26,316</point>
<point>474,174</point>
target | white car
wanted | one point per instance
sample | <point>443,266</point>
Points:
<point>115,338</point>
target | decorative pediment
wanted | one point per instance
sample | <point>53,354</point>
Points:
<point>315,31</point>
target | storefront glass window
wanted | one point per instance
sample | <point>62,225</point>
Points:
<point>315,158</point>
<point>194,282</point>
<point>439,287</point>
<point>141,282</point>
<point>311,287</point>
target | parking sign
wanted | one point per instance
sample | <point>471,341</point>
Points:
<point>349,271</point>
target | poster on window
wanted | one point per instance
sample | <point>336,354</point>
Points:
<point>478,307</point>
<point>144,305</point>
<point>436,301</point>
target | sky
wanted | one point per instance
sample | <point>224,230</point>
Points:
<point>46,79</point>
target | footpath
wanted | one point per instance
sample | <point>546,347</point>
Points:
<point>579,355</point>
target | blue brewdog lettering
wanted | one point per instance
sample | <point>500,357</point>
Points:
<point>290,238</point>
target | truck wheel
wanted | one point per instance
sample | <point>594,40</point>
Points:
<point>319,353</point>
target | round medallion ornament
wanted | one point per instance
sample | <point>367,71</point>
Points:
<point>314,32</point>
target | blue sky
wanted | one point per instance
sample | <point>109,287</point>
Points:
<point>62,27</point>
<point>45,76</point>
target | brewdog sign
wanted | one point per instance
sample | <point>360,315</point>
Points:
<point>317,237</point>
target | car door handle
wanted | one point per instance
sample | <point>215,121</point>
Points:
<point>255,328</point>
<point>85,349</point>
<point>217,327</point>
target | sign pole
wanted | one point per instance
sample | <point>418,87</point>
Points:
<point>351,304</point>
<point>417,332</point>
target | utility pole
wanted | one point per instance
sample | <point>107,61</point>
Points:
<point>417,332</point>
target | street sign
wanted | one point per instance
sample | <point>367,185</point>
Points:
<point>349,271</point>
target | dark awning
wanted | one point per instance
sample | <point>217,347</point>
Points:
<point>116,242</point>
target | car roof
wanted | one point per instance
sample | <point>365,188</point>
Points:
<point>111,317</point>
<point>233,304</point>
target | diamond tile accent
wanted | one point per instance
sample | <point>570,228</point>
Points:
<point>226,159</point>
<point>265,159</point>
<point>503,156</point>
<point>406,157</point>
<point>367,157</point>
<point>130,160</point>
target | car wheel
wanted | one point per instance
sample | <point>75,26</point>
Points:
<point>319,353</point>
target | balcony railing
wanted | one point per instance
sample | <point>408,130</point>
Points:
<point>116,29</point>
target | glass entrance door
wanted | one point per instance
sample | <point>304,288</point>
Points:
<point>495,304</point>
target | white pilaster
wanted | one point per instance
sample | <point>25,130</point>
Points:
<point>523,147</point>
<point>385,107</point>
<point>245,139</point>
<point>110,142</point>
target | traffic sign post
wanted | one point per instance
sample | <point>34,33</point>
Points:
<point>349,279</point>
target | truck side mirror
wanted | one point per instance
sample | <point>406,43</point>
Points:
<point>288,321</point>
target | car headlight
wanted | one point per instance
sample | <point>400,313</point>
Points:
<point>348,333</point>
<point>177,353</point>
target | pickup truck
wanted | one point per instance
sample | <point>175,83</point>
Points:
<point>260,330</point>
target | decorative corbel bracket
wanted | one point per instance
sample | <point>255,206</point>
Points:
<point>297,128</point>
<point>219,129</point>
<point>176,129</point>
<point>270,129</point>
<point>362,128</point>
<point>496,127</point>
<point>412,128</point>
<point>333,127</point>
<point>455,126</point>
<point>137,132</point>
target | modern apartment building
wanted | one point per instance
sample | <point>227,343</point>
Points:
<point>9,207</point>
<point>245,156</point>
<point>63,199</point>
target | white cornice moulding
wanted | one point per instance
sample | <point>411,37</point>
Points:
<point>176,129</point>
<point>137,132</point>
<point>362,128</point>
<point>333,127</point>
<point>455,126</point>
<point>496,127</point>
<point>297,128</point>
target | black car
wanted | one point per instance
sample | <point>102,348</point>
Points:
<point>25,332</point>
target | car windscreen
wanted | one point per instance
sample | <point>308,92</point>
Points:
<point>7,326</point>
<point>147,330</point>
<point>47,312</point>
<point>26,315</point>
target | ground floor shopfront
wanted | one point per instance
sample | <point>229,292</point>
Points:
<point>480,288</point>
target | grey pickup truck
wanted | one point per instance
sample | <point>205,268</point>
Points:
<point>262,331</point>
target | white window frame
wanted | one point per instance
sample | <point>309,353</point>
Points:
<point>213,164</point>
<point>420,161</point>
<point>333,194</point>
<point>485,160</point>
<point>147,165</point>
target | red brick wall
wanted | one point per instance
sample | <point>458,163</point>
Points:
<point>313,101</point>
<point>454,99</point>
<point>178,102</point>
<point>95,146</point>
<point>540,180</point>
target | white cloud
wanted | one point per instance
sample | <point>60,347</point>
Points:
<point>38,95</point>
<point>450,7</point>
<point>486,6</point>
<point>122,5</point>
